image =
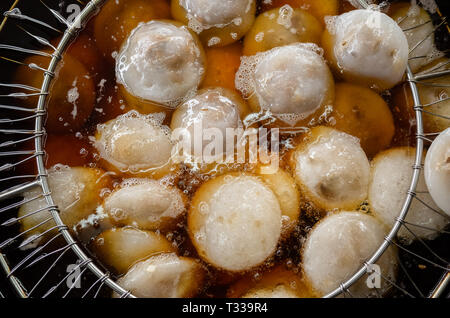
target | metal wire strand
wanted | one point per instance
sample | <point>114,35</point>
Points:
<point>405,271</point>
<point>33,254</point>
<point>53,265</point>
<point>100,281</point>
<point>425,245</point>
<point>420,257</point>
<point>17,14</point>
<point>64,279</point>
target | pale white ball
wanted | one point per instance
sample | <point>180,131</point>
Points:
<point>437,171</point>
<point>391,176</point>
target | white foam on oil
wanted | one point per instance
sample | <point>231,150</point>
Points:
<point>206,14</point>
<point>285,16</point>
<point>133,142</point>
<point>160,62</point>
<point>291,81</point>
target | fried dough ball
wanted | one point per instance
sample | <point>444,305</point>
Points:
<point>218,22</point>
<point>76,191</point>
<point>331,169</point>
<point>118,18</point>
<point>362,113</point>
<point>213,110</point>
<point>437,171</point>
<point>278,282</point>
<point>435,99</point>
<point>146,204</point>
<point>121,248</point>
<point>71,98</point>
<point>404,115</point>
<point>366,47</point>
<point>218,76</point>
<point>136,145</point>
<point>279,27</point>
<point>279,291</point>
<point>164,276</point>
<point>292,82</point>
<point>391,175</point>
<point>160,65</point>
<point>338,246</point>
<point>320,9</point>
<point>419,31</point>
<point>285,189</point>
<point>433,95</point>
<point>234,222</point>
<point>94,224</point>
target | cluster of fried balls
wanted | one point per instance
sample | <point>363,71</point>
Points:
<point>318,69</point>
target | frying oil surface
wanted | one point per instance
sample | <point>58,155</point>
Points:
<point>237,228</point>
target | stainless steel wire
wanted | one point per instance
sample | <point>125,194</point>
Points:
<point>42,181</point>
<point>52,256</point>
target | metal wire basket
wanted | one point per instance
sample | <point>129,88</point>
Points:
<point>43,271</point>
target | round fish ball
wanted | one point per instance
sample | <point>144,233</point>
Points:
<point>218,22</point>
<point>120,248</point>
<point>234,222</point>
<point>366,47</point>
<point>279,291</point>
<point>361,112</point>
<point>136,145</point>
<point>217,111</point>
<point>93,225</point>
<point>320,9</point>
<point>277,282</point>
<point>76,191</point>
<point>433,95</point>
<point>437,97</point>
<point>437,171</point>
<point>115,21</point>
<point>331,169</point>
<point>161,62</point>
<point>146,204</point>
<point>291,82</point>
<point>282,26</point>
<point>419,31</point>
<point>403,111</point>
<point>391,175</point>
<point>164,276</point>
<point>210,13</point>
<point>337,248</point>
<point>284,187</point>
